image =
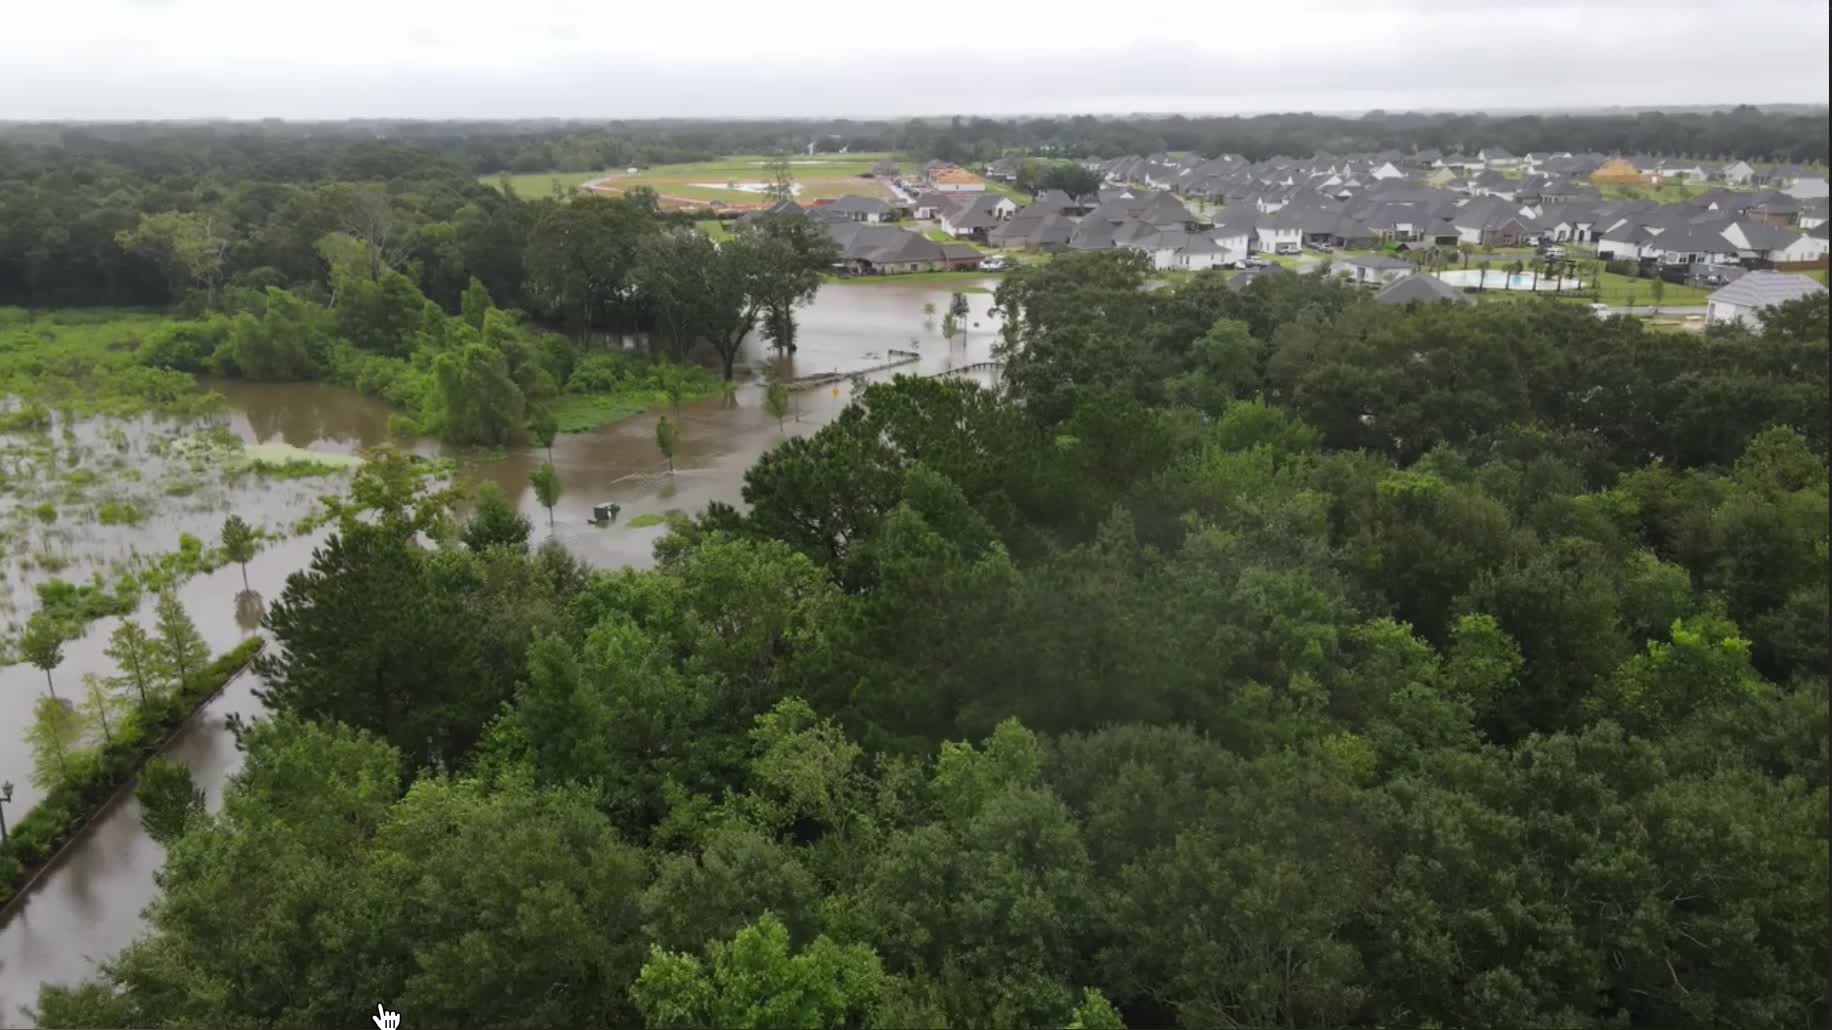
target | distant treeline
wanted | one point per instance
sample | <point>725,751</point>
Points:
<point>312,151</point>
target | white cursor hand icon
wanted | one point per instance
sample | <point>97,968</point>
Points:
<point>385,1020</point>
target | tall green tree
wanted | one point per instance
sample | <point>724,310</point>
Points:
<point>181,649</point>
<point>54,735</point>
<point>169,800</point>
<point>136,655</point>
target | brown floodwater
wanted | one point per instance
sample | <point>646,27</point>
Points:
<point>90,904</point>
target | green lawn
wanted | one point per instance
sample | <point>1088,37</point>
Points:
<point>938,235</point>
<point>1621,289</point>
<point>1017,196</point>
<point>583,412</point>
<point>822,176</point>
<point>1667,193</point>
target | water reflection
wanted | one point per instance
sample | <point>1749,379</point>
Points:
<point>248,610</point>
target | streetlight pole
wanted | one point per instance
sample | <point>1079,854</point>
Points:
<point>6,798</point>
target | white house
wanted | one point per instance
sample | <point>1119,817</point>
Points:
<point>1811,246</point>
<point>1743,300</point>
<point>1738,172</point>
<point>1177,249</point>
<point>1689,245</point>
<point>1234,242</point>
<point>1279,238</point>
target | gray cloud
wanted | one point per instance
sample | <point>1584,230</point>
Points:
<point>1393,54</point>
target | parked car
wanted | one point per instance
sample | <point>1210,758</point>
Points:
<point>1600,310</point>
<point>1322,248</point>
<point>1553,252</point>
<point>994,263</point>
<point>1258,262</point>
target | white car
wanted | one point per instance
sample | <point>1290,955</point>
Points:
<point>995,263</point>
<point>1600,310</point>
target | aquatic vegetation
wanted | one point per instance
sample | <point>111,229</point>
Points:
<point>120,513</point>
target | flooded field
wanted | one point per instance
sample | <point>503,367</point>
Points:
<point>89,906</point>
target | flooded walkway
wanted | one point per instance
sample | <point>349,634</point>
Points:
<point>90,906</point>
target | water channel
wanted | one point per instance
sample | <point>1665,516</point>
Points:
<point>90,904</point>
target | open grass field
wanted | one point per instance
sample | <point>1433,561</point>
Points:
<point>535,185</point>
<point>710,183</point>
<point>737,182</point>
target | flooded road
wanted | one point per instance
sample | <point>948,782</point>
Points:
<point>90,905</point>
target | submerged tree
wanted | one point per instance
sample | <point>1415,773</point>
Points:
<point>666,439</point>
<point>546,483</point>
<point>42,644</point>
<point>240,543</point>
<point>776,402</point>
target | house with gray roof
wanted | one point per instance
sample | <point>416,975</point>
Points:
<point>1033,228</point>
<point>973,215</point>
<point>1092,234</point>
<point>1177,249</point>
<point>781,207</point>
<point>867,249</point>
<point>1745,300</point>
<point>863,209</point>
<point>1421,289</point>
<point>1758,240</point>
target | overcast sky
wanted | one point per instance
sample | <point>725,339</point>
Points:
<point>101,59</point>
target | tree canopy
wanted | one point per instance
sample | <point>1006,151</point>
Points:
<point>1249,657</point>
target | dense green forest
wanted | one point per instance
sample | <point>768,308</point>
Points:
<point>1250,657</point>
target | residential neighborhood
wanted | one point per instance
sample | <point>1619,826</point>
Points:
<point>1378,218</point>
